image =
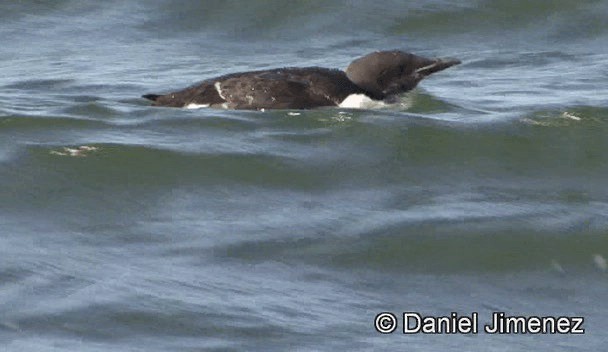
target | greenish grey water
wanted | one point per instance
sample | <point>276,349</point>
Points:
<point>134,228</point>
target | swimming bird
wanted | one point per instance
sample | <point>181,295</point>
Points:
<point>378,76</point>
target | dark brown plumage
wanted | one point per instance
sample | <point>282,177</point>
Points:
<point>379,75</point>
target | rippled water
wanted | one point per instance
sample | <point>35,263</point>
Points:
<point>126,227</point>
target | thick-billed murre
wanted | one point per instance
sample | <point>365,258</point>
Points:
<point>381,75</point>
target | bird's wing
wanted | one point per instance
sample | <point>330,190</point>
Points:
<point>277,89</point>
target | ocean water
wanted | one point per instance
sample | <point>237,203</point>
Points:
<point>125,227</point>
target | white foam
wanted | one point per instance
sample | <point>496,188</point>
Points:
<point>557,266</point>
<point>600,262</point>
<point>196,106</point>
<point>80,151</point>
<point>359,101</point>
<point>570,116</point>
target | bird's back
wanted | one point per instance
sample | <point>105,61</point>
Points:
<point>283,88</point>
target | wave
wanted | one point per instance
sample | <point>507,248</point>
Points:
<point>439,249</point>
<point>147,166</point>
<point>276,20</point>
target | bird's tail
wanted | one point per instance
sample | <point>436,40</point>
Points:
<point>152,97</point>
<point>437,65</point>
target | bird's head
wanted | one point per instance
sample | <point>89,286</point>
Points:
<point>386,73</point>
